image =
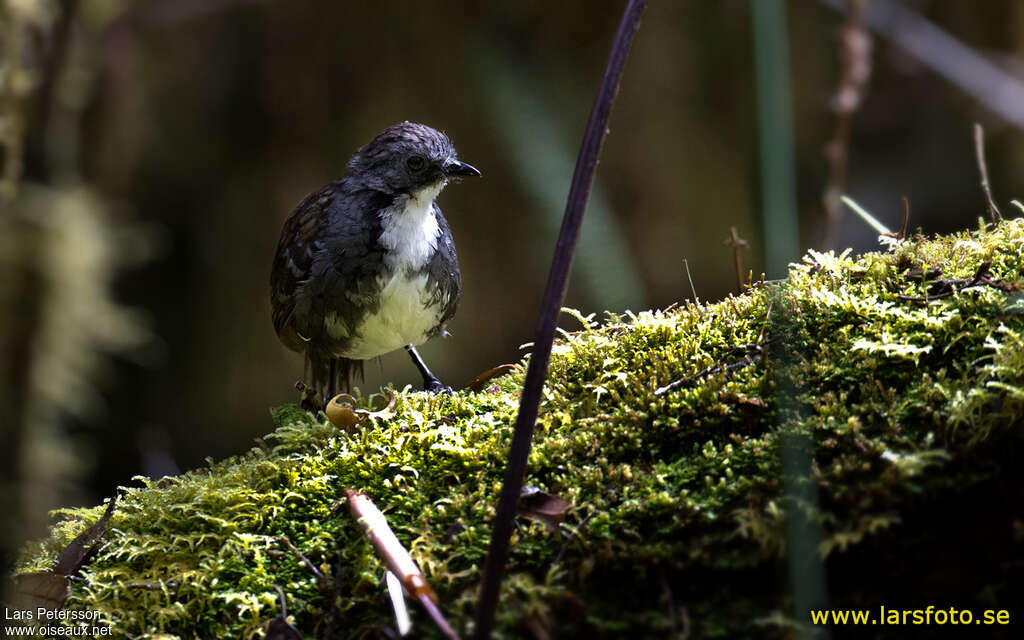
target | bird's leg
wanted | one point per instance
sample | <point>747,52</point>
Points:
<point>307,387</point>
<point>430,381</point>
<point>332,381</point>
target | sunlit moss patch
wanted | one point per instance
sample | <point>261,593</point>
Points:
<point>677,498</point>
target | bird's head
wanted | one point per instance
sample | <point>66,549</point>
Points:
<point>408,158</point>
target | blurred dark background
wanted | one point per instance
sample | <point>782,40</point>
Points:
<point>153,149</point>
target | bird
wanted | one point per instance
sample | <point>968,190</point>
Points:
<point>366,264</point>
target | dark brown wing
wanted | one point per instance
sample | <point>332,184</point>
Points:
<point>301,239</point>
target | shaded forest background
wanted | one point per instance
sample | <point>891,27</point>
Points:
<point>165,142</point>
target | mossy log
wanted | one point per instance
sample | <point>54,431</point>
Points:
<point>899,375</point>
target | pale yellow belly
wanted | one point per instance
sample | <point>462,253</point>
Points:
<point>403,318</point>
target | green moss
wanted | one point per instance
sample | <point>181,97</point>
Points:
<point>904,404</point>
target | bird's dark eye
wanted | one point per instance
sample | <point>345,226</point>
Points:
<point>416,163</point>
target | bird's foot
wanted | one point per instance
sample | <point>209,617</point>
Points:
<point>433,385</point>
<point>430,381</point>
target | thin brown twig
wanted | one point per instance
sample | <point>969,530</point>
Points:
<point>321,579</point>
<point>436,616</point>
<point>902,233</point>
<point>986,187</point>
<point>906,218</point>
<point>281,601</point>
<point>396,558</point>
<point>751,353</point>
<point>738,244</point>
<point>855,70</point>
<point>279,627</point>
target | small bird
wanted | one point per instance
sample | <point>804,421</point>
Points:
<point>367,264</point>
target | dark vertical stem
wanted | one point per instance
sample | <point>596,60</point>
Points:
<point>583,177</point>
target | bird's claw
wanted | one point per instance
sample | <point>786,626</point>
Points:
<point>436,386</point>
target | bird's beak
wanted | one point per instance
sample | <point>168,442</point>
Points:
<point>458,168</point>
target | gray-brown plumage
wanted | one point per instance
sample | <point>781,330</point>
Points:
<point>367,264</point>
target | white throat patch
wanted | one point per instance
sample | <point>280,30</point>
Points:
<point>410,229</point>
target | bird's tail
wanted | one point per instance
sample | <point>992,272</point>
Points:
<point>329,376</point>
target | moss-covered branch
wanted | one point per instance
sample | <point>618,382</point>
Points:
<point>912,411</point>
